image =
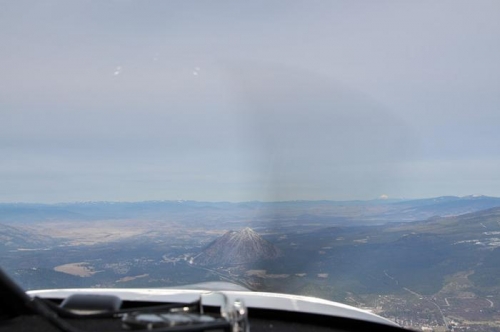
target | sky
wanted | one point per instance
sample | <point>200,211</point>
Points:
<point>248,100</point>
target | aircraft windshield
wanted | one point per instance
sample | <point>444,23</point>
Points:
<point>346,150</point>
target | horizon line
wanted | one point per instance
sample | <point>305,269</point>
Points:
<point>378,199</point>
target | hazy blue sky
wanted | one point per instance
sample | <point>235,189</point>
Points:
<point>248,100</point>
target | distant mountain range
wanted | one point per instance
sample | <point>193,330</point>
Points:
<point>324,212</point>
<point>235,248</point>
<point>421,209</point>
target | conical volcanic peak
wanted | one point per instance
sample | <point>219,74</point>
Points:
<point>233,248</point>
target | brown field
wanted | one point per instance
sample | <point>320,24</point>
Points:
<point>125,279</point>
<point>81,269</point>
